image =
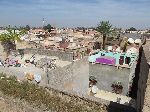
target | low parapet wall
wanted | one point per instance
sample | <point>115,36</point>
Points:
<point>106,75</point>
<point>74,77</point>
<point>62,55</point>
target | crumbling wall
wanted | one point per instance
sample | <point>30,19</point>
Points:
<point>59,76</point>
<point>81,76</point>
<point>73,77</point>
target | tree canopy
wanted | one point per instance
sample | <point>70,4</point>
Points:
<point>48,27</point>
<point>8,38</point>
<point>104,27</point>
<point>10,35</point>
<point>27,27</point>
<point>132,29</point>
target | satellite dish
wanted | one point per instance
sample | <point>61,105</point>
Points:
<point>130,40</point>
<point>132,50</point>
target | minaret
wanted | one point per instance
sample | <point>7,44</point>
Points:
<point>43,22</point>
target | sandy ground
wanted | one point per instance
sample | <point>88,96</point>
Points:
<point>113,97</point>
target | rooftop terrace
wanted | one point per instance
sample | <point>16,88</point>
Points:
<point>113,58</point>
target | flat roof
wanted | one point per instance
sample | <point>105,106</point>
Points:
<point>113,58</point>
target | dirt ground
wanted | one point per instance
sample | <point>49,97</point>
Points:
<point>8,104</point>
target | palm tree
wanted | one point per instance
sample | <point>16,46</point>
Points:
<point>8,39</point>
<point>105,29</point>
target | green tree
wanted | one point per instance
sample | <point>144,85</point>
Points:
<point>105,29</point>
<point>8,39</point>
<point>48,27</point>
<point>27,27</point>
<point>131,29</point>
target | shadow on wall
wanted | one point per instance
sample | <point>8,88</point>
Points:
<point>133,92</point>
<point>116,107</point>
<point>140,81</point>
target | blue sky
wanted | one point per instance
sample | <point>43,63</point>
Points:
<point>72,13</point>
